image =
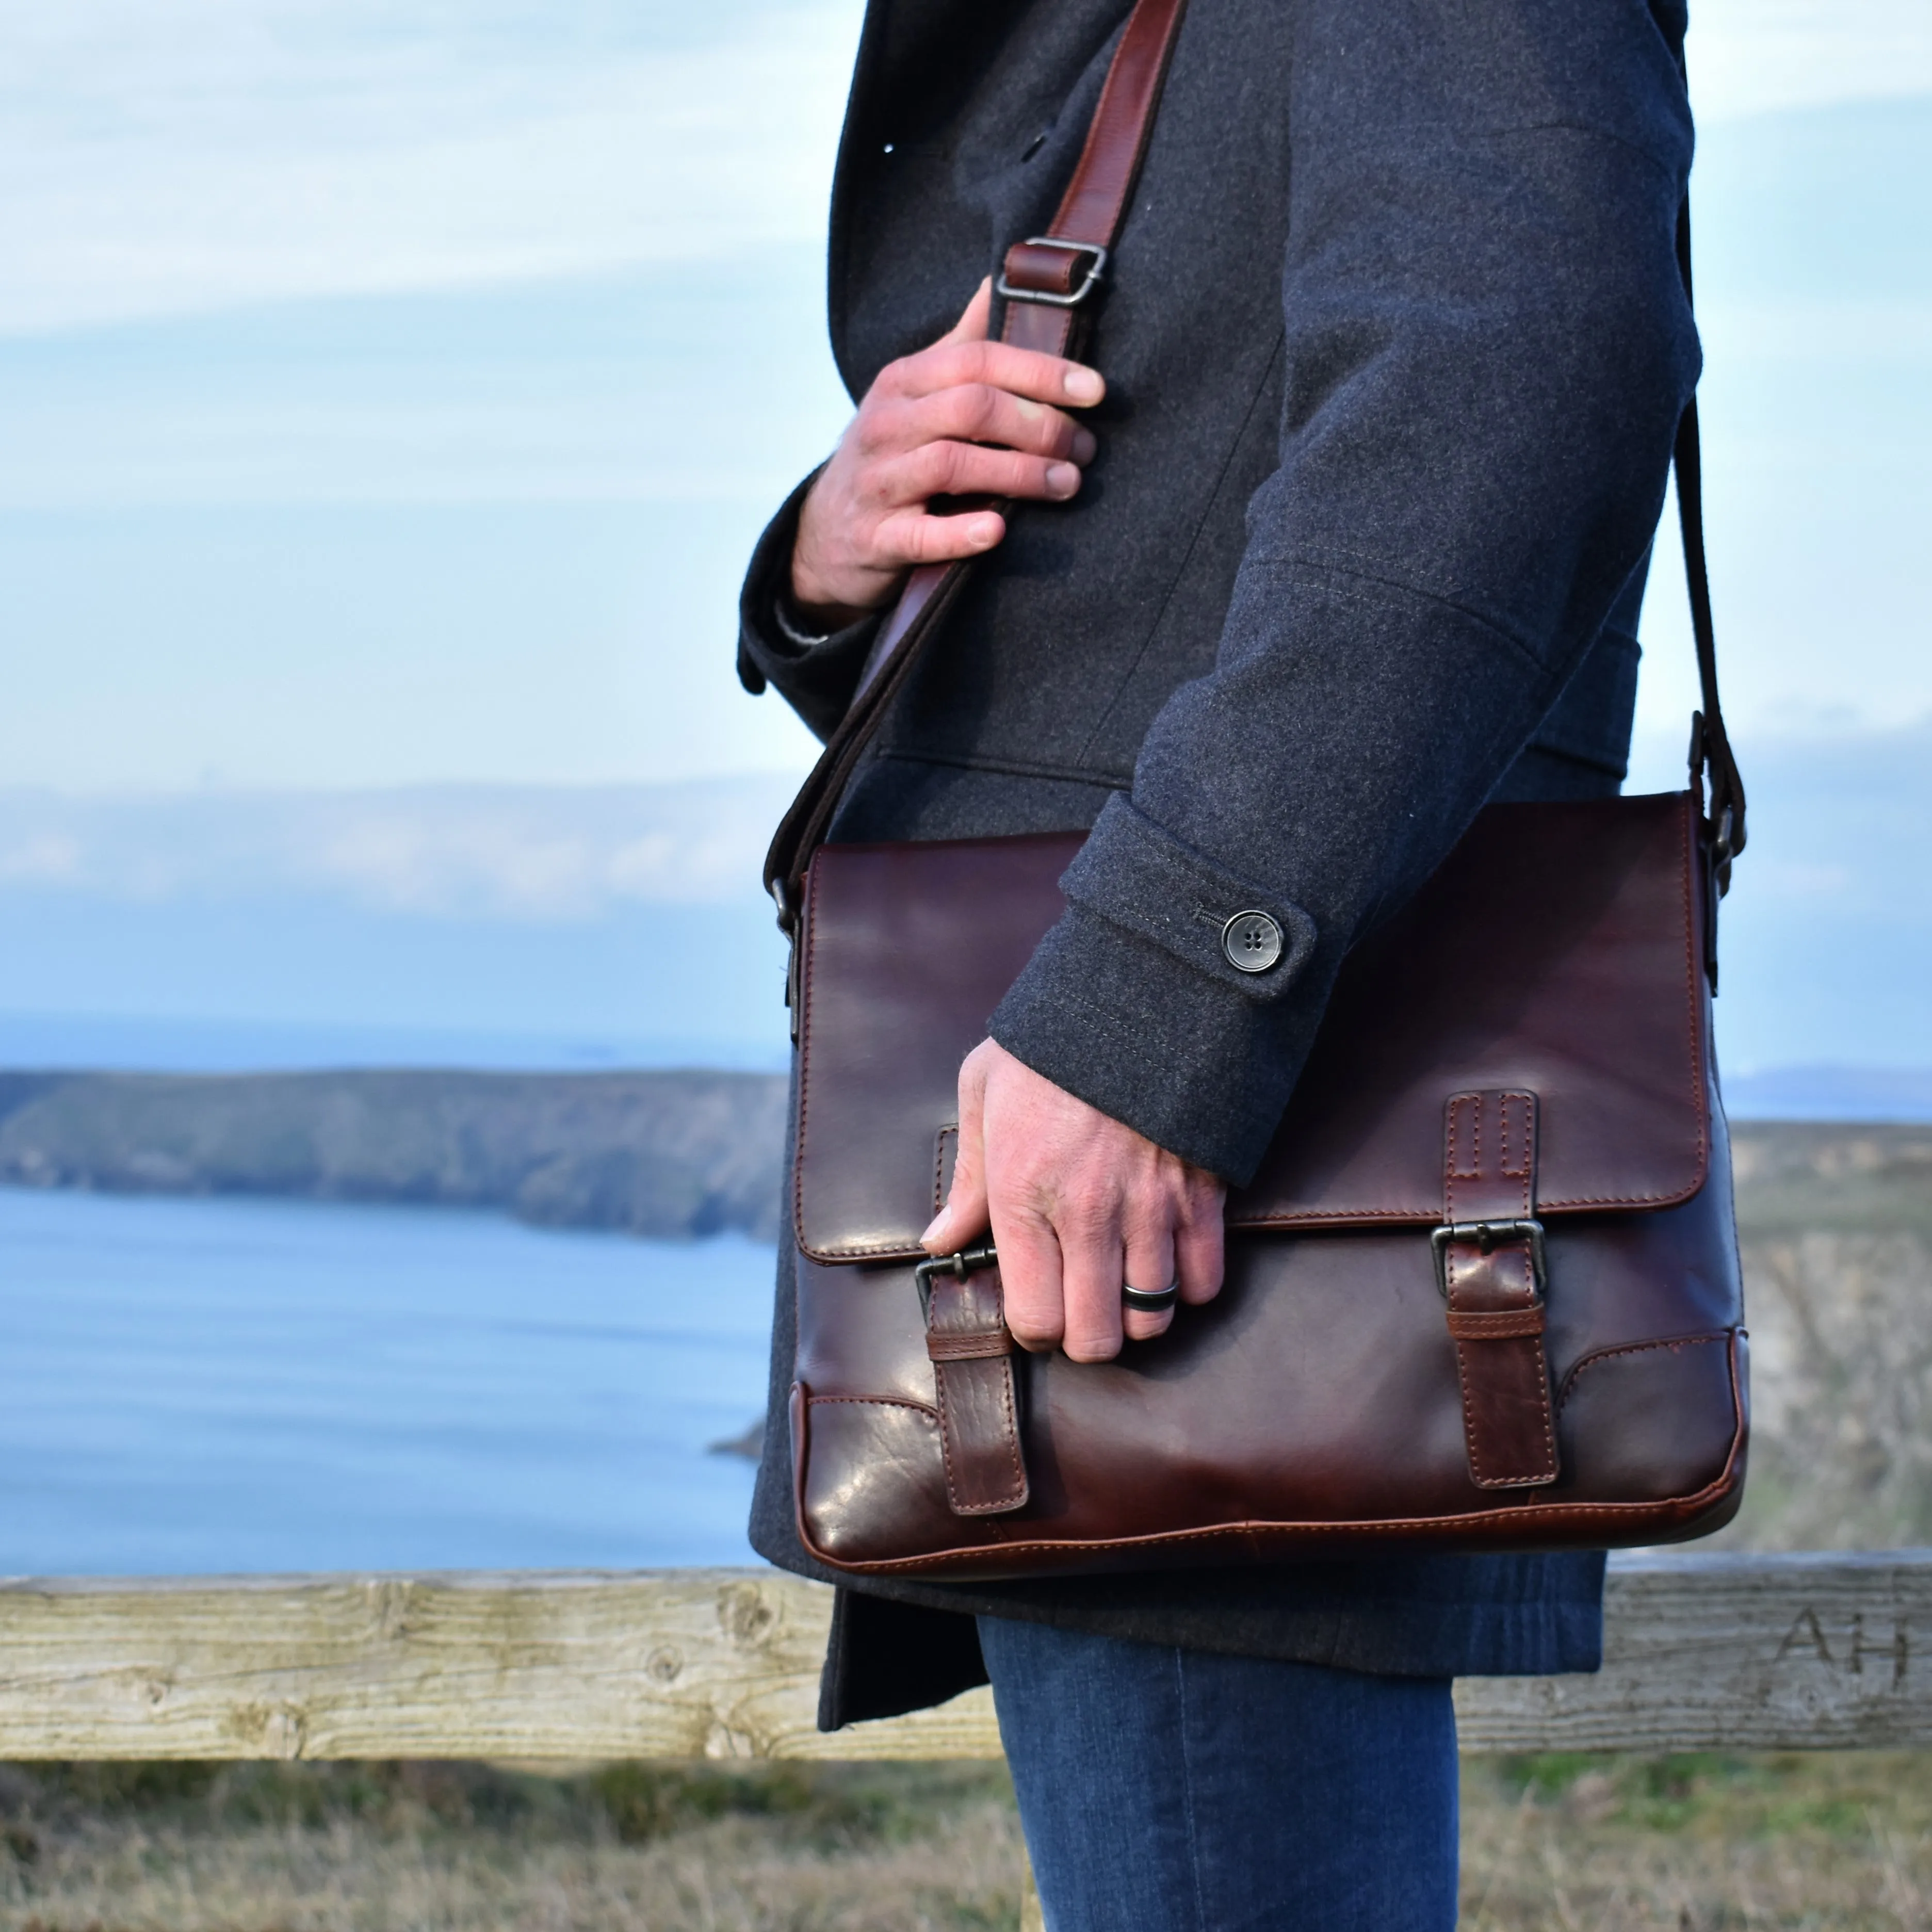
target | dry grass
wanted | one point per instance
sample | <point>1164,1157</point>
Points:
<point>435,1848</point>
<point>1574,1844</point>
<point>1837,1228</point>
<point>1608,1844</point>
<point>1841,1392</point>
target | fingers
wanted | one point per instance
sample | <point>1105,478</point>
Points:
<point>1057,379</point>
<point>966,469</point>
<point>1090,1270</point>
<point>1078,1204</point>
<point>844,571</point>
<point>915,538</point>
<point>1150,1264</point>
<point>963,1219</point>
<point>972,325</point>
<point>973,440</point>
<point>877,523</point>
<point>1030,1277</point>
<point>953,363</point>
<point>966,418</point>
<point>1200,1242</point>
<point>1102,1236</point>
<point>977,412</point>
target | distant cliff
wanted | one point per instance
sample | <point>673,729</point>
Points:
<point>1836,1223</point>
<point>670,1154</point>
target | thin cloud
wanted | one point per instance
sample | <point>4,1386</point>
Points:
<point>171,157</point>
<point>1758,56</point>
<point>533,855</point>
<point>175,156</point>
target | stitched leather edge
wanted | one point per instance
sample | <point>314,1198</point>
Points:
<point>1526,1204</point>
<point>949,1131</point>
<point>1672,1511</point>
<point>1697,1039</point>
<point>809,939</point>
<point>1600,1355</point>
<point>1015,1496</point>
<point>1337,1221</point>
<point>1425,1215</point>
<point>871,1401</point>
<point>883,1251</point>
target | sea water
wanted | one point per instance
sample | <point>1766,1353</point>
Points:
<point>197,1386</point>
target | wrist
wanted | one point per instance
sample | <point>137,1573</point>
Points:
<point>820,603</point>
<point>805,621</point>
<point>814,606</point>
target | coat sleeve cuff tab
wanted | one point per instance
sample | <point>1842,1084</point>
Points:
<point>1243,936</point>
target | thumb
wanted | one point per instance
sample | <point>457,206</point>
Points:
<point>971,327</point>
<point>963,1219</point>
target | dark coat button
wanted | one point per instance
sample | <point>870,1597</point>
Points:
<point>1252,941</point>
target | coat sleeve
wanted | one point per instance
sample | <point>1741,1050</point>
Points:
<point>816,680</point>
<point>1490,348</point>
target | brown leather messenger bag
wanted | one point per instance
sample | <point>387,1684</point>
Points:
<point>1483,1292</point>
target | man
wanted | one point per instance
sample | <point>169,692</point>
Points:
<point>1343,536</point>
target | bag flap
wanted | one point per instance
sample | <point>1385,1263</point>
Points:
<point>1558,948</point>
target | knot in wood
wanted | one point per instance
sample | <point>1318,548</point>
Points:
<point>745,1613</point>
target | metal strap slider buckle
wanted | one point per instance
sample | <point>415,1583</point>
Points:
<point>1096,268</point>
<point>1485,1235</point>
<point>968,1260</point>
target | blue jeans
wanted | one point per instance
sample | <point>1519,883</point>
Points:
<point>1171,1790</point>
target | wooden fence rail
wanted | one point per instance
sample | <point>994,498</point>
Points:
<point>1702,1651</point>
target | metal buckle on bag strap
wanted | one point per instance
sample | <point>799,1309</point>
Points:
<point>968,1260</point>
<point>1095,268</point>
<point>1486,1234</point>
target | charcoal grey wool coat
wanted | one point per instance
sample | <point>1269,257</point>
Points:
<point>1396,345</point>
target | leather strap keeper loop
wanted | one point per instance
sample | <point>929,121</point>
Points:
<point>968,1348</point>
<point>1503,1325</point>
<point>1491,1284</point>
<point>1048,269</point>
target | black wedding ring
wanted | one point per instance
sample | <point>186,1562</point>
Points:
<point>1151,1300</point>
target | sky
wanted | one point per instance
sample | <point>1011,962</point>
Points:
<point>391,391</point>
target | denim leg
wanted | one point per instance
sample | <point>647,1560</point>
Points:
<point>1171,1790</point>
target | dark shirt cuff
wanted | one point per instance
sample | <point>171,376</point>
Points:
<point>1132,1003</point>
<point>817,679</point>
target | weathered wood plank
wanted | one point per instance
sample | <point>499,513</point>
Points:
<point>666,1664</point>
<point>1823,1652</point>
<point>1702,1651</point>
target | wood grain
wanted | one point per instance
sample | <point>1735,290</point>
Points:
<point>684,1663</point>
<point>1741,1652</point>
<point>1822,1652</point>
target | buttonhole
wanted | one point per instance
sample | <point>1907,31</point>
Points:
<point>1033,146</point>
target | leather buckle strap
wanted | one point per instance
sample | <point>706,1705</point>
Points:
<point>1485,1235</point>
<point>971,1349</point>
<point>1043,268</point>
<point>1046,292</point>
<point>1492,1269</point>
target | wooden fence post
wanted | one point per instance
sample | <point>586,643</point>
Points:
<point>1701,1652</point>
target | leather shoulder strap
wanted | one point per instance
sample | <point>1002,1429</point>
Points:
<point>1714,771</point>
<point>1047,282</point>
